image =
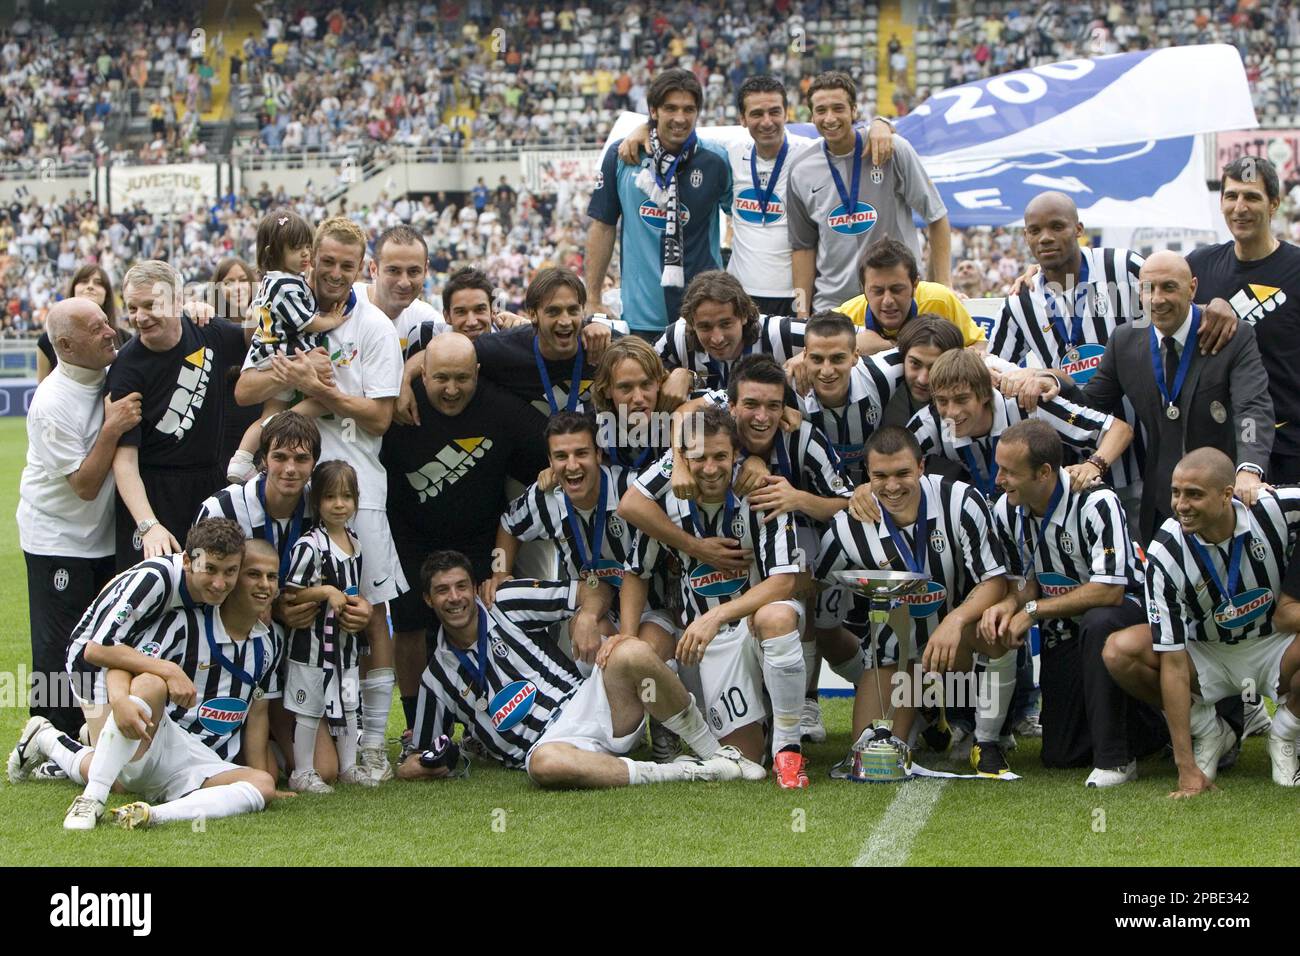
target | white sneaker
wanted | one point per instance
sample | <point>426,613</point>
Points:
<point>811,727</point>
<point>308,781</point>
<point>359,775</point>
<point>1112,776</point>
<point>1209,748</point>
<point>1257,720</point>
<point>730,764</point>
<point>26,755</point>
<point>241,468</point>
<point>83,814</point>
<point>1029,726</point>
<point>375,761</point>
<point>1286,768</point>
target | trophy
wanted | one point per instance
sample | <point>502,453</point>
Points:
<point>875,758</point>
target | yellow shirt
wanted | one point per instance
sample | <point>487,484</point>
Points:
<point>931,297</point>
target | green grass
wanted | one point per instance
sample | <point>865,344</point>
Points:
<point>498,818</point>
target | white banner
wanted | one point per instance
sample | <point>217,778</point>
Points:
<point>163,190</point>
<point>548,170</point>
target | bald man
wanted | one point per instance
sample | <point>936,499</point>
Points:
<point>1063,317</point>
<point>446,482</point>
<point>1183,398</point>
<point>65,508</point>
<point>1212,576</point>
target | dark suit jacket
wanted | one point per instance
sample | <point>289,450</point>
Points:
<point>1235,378</point>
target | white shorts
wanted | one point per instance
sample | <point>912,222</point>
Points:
<point>304,689</point>
<point>175,764</point>
<point>1233,670</point>
<point>833,606</point>
<point>382,577</point>
<point>663,619</point>
<point>809,544</point>
<point>731,679</point>
<point>585,722</point>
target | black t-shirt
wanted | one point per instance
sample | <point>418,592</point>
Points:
<point>184,394</point>
<point>507,359</point>
<point>1266,293</point>
<point>447,475</point>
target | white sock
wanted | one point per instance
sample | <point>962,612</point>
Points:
<point>1285,724</point>
<point>852,669</point>
<point>784,676</point>
<point>640,772</point>
<point>113,752</point>
<point>346,743</point>
<point>304,742</point>
<point>376,703</point>
<point>689,724</point>
<point>996,687</point>
<point>1202,718</point>
<point>64,751</point>
<point>228,800</point>
<point>809,651</point>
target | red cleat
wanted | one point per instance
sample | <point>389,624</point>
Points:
<point>789,768</point>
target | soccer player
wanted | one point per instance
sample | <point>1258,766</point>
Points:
<point>833,212</point>
<point>1081,583</point>
<point>498,672</point>
<point>668,206</point>
<point>1212,632</point>
<point>741,627</point>
<point>936,527</point>
<point>397,270</point>
<point>631,407</point>
<point>919,345</point>
<point>168,463</point>
<point>177,726</point>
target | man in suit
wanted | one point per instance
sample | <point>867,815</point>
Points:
<point>1220,400</point>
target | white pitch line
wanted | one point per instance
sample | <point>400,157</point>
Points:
<point>891,839</point>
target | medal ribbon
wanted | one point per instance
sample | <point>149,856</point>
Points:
<point>587,559</point>
<point>850,201</point>
<point>765,195</point>
<point>575,383</point>
<point>1184,361</point>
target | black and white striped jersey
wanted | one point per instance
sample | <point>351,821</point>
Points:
<point>871,385</point>
<point>1107,296</point>
<point>1083,538</point>
<point>550,516</point>
<point>778,336</point>
<point>228,674</point>
<point>1080,428</point>
<point>1190,587</point>
<point>128,607</point>
<point>316,560</point>
<point>958,550</point>
<point>283,305</point>
<point>525,677</point>
<point>701,585</point>
<point>242,504</point>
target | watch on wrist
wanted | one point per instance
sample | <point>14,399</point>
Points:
<point>1031,609</point>
<point>1255,470</point>
<point>145,526</point>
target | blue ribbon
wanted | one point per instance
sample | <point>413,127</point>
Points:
<point>575,384</point>
<point>1184,361</point>
<point>220,658</point>
<point>1075,338</point>
<point>765,195</point>
<point>915,562</point>
<point>728,512</point>
<point>476,671</point>
<point>587,559</point>
<point>1234,564</point>
<point>1026,517</point>
<point>988,486</point>
<point>285,547</point>
<point>783,458</point>
<point>850,201</point>
<point>720,370</point>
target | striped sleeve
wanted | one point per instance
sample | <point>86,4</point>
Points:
<point>1008,339</point>
<point>525,602</point>
<point>1003,530</point>
<point>982,550</point>
<point>670,345</point>
<point>925,427</point>
<point>657,480</point>
<point>1169,627</point>
<point>1077,425</point>
<point>291,303</point>
<point>432,718</point>
<point>521,519</point>
<point>833,556</point>
<point>1106,536</point>
<point>419,337</point>
<point>643,555</point>
<point>885,369</point>
<point>775,549</point>
<point>134,602</point>
<point>820,465</point>
<point>219,505</point>
<point>270,682</point>
<point>304,564</point>
<point>781,336</point>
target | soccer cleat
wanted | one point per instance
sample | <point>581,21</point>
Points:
<point>359,775</point>
<point>664,744</point>
<point>811,727</point>
<point>729,764</point>
<point>308,781</point>
<point>1210,748</point>
<point>988,759</point>
<point>1112,776</point>
<point>376,763</point>
<point>1258,722</point>
<point>1029,726</point>
<point>48,771</point>
<point>27,755</point>
<point>1286,768</point>
<point>842,770</point>
<point>789,768</point>
<point>83,814</point>
<point>133,816</point>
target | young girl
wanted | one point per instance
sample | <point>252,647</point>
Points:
<point>287,321</point>
<point>321,678</point>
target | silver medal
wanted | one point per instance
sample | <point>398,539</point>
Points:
<point>1172,413</point>
<point>481,704</point>
<point>1218,412</point>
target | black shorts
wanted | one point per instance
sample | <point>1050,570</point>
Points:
<point>59,589</point>
<point>408,610</point>
<point>175,497</point>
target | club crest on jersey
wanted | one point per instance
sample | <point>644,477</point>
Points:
<point>1257,549</point>
<point>616,526</point>
<point>709,581</point>
<point>873,414</point>
<point>1067,543</point>
<point>852,223</point>
<point>61,579</point>
<point>500,649</point>
<point>738,526</point>
<point>938,540</point>
<point>448,467</point>
<point>697,178</point>
<point>512,704</point>
<point>150,649</point>
<point>187,399</point>
<point>1082,363</point>
<point>600,180</point>
<point>1054,585</point>
<point>1243,609</point>
<point>748,208</point>
<point>223,715</point>
<point>655,216</point>
<point>924,603</point>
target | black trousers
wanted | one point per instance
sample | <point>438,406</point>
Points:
<point>59,590</point>
<point>1088,720</point>
<point>1283,470</point>
<point>175,496</point>
<point>770,306</point>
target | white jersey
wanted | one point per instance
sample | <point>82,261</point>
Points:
<point>409,323</point>
<point>63,424</point>
<point>760,240</point>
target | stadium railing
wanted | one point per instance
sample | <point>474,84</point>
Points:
<point>17,358</point>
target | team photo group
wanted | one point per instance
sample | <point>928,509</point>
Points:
<point>623,549</point>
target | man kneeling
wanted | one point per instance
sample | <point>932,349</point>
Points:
<point>499,673</point>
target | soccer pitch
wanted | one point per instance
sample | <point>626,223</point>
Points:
<point>497,818</point>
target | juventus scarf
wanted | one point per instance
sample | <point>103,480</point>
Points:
<point>659,182</point>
